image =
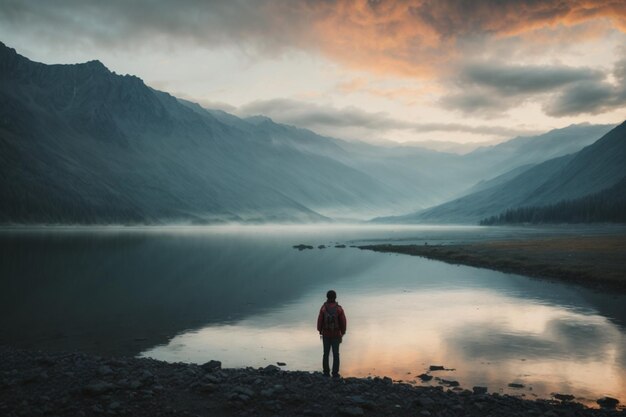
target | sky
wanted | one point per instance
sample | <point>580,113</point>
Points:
<point>466,72</point>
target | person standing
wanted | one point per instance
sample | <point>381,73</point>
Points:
<point>331,324</point>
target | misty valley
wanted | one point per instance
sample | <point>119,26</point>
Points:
<point>83,145</point>
<point>158,255</point>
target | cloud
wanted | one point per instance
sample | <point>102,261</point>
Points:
<point>587,97</point>
<point>510,17</point>
<point>352,119</point>
<point>591,96</point>
<point>425,39</point>
<point>409,37</point>
<point>492,88</point>
<point>518,79</point>
<point>474,101</point>
<point>313,115</point>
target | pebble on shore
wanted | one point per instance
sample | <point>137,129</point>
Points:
<point>76,384</point>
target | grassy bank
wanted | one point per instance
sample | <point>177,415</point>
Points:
<point>596,261</point>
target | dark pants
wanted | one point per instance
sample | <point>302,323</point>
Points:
<point>331,342</point>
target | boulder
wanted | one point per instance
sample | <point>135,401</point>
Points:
<point>105,370</point>
<point>479,390</point>
<point>271,368</point>
<point>563,397</point>
<point>351,411</point>
<point>449,383</point>
<point>608,402</point>
<point>98,388</point>
<point>244,391</point>
<point>211,365</point>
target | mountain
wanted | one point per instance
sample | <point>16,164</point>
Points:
<point>596,167</point>
<point>82,144</point>
<point>525,150</point>
<point>450,146</point>
<point>608,205</point>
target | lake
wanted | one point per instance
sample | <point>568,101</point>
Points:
<point>243,295</point>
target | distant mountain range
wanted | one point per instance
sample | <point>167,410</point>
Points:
<point>596,167</point>
<point>81,144</point>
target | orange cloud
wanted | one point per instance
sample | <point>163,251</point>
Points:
<point>414,38</point>
<point>422,37</point>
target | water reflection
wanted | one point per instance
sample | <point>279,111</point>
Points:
<point>119,293</point>
<point>489,339</point>
<point>247,298</point>
<point>408,313</point>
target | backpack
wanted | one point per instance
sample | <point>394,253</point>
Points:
<point>331,318</point>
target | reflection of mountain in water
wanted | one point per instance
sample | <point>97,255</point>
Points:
<point>101,292</point>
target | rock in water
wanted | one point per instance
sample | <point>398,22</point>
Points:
<point>608,402</point>
<point>563,397</point>
<point>437,368</point>
<point>449,383</point>
<point>425,377</point>
<point>479,390</point>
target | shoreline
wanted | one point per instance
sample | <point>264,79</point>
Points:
<point>76,384</point>
<point>598,262</point>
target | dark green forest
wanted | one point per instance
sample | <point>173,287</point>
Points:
<point>606,206</point>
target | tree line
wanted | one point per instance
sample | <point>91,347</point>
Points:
<point>607,206</point>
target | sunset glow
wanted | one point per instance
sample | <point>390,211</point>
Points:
<point>419,70</point>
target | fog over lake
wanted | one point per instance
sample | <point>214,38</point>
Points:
<point>245,296</point>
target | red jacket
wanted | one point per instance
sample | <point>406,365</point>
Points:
<point>342,321</point>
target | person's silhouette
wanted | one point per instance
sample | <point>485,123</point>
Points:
<point>331,324</point>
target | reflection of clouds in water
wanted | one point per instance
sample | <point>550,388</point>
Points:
<point>391,333</point>
<point>574,337</point>
<point>565,352</point>
<point>584,339</point>
<point>493,343</point>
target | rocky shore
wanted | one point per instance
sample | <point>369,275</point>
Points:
<point>593,261</point>
<point>76,384</point>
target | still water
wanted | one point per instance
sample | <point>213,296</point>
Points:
<point>244,296</point>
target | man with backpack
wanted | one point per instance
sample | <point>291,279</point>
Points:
<point>331,324</point>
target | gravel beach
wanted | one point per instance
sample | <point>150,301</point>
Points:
<point>36,383</point>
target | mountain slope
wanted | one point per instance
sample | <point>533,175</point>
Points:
<point>535,149</point>
<point>596,167</point>
<point>82,144</point>
<point>608,205</point>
